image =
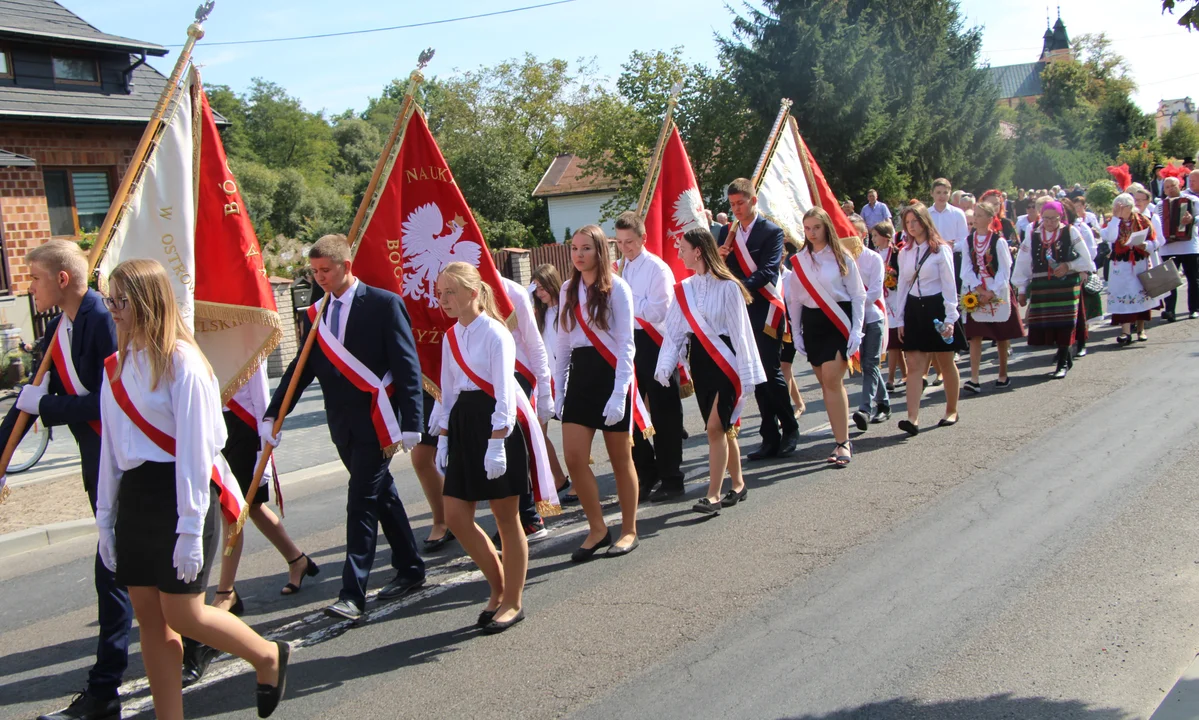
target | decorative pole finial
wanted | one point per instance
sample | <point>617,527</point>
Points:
<point>423,60</point>
<point>675,91</point>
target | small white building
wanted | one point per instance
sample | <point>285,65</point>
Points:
<point>1169,110</point>
<point>574,199</point>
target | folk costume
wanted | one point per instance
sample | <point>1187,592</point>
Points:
<point>1053,303</point>
<point>1185,252</point>
<point>828,324</point>
<point>929,291</point>
<point>1127,300</point>
<point>988,266</point>
<point>652,284</point>
<point>710,318</point>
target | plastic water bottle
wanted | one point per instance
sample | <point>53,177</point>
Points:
<point>940,326</point>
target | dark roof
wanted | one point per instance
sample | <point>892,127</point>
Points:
<point>48,104</point>
<point>565,176</point>
<point>1061,41</point>
<point>1016,81</point>
<point>47,20</point>
<point>11,159</point>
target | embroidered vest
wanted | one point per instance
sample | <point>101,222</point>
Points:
<point>992,258</point>
<point>1063,250</point>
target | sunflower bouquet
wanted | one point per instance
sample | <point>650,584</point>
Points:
<point>891,281</point>
<point>971,301</point>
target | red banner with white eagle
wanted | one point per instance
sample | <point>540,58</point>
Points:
<point>676,206</point>
<point>421,224</point>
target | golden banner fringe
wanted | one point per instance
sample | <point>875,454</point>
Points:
<point>245,315</point>
<point>391,450</point>
<point>235,530</point>
<point>732,432</point>
<point>4,493</point>
<point>430,387</point>
<point>649,432</point>
<point>545,508</point>
<point>686,390</point>
<point>771,332</point>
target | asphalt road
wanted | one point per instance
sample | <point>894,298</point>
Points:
<point>1038,560</point>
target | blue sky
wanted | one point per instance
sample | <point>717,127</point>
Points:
<point>340,73</point>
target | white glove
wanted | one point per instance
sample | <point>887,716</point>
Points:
<point>559,402</point>
<point>409,440</point>
<point>614,410</point>
<point>266,432</point>
<point>662,375</point>
<point>443,453</point>
<point>855,342</point>
<point>31,396</point>
<point>545,408</point>
<point>495,462</point>
<point>189,557</point>
<point>797,339</point>
<point>108,548</point>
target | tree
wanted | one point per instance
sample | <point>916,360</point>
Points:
<point>1189,19</point>
<point>1118,121</point>
<point>1040,166</point>
<point>1064,87</point>
<point>284,135</point>
<point>1182,139</point>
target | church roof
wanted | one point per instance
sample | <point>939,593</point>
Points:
<point>1015,81</point>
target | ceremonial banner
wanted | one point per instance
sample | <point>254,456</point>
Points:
<point>421,224</point>
<point>783,192</point>
<point>822,195</point>
<point>160,220</point>
<point>676,207</point>
<point>237,322</point>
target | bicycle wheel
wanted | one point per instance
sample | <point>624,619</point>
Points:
<point>32,447</point>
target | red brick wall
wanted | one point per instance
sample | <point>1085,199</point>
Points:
<point>23,212</point>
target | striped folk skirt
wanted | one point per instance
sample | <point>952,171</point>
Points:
<point>1053,310</point>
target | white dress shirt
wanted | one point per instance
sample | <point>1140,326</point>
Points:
<point>345,302</point>
<point>549,336</point>
<point>951,224</point>
<point>620,329</point>
<point>1022,273</point>
<point>723,307</point>
<point>1088,237</point>
<point>936,276</point>
<point>844,288</point>
<point>870,268</point>
<point>490,352</point>
<point>530,347</point>
<point>652,284</point>
<point>187,406</point>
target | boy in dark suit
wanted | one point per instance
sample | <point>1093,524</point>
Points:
<point>70,395</point>
<point>363,326</point>
<point>763,241</point>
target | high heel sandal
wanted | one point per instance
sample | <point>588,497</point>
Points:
<point>312,570</point>
<point>238,607</point>
<point>842,460</point>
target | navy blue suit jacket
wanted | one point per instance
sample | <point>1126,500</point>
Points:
<point>765,243</point>
<point>93,338</point>
<point>379,334</point>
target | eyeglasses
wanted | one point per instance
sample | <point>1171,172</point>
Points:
<point>116,303</point>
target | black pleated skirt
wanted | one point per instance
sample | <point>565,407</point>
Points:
<point>241,452</point>
<point>588,387</point>
<point>145,531</point>
<point>470,429</point>
<point>821,338</point>
<point>919,333</point>
<point>711,384</point>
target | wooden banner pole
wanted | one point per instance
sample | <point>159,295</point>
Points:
<point>655,163</point>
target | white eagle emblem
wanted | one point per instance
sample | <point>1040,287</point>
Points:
<point>427,250</point>
<point>689,212</point>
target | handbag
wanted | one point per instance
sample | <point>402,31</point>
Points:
<point>1160,279</point>
<point>1094,285</point>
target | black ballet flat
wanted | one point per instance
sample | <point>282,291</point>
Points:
<point>439,543</point>
<point>946,422</point>
<point>312,570</point>
<point>909,427</point>
<point>485,617</point>
<point>707,507</point>
<point>269,696</point>
<point>494,627</point>
<point>617,551</point>
<point>732,497</point>
<point>584,554</point>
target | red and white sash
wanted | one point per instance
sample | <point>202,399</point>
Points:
<point>824,299</point>
<point>720,353</point>
<point>387,426</point>
<point>544,491</point>
<point>647,326</point>
<point>603,342</point>
<point>64,367</point>
<point>272,470</point>
<point>770,291</point>
<point>231,500</point>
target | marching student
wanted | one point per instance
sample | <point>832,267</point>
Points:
<point>365,358</point>
<point>547,284</point>
<point>1047,277</point>
<point>161,482</point>
<point>710,317</point>
<point>875,405</point>
<point>888,246</point>
<point>828,304</point>
<point>652,283</point>
<point>929,295</point>
<point>986,276</point>
<point>594,373</point>
<point>69,395</point>
<point>756,248</point>
<point>481,444</point>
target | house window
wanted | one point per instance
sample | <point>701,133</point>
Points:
<point>78,200</point>
<point>5,66</point>
<point>76,70</point>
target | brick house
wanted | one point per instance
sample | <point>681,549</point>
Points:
<point>73,104</point>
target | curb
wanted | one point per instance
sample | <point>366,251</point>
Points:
<point>24,541</point>
<point>1182,702</point>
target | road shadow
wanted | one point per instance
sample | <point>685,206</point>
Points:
<point>996,707</point>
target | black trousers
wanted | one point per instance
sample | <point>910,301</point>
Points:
<point>1189,265</point>
<point>662,459</point>
<point>774,400</point>
<point>114,610</point>
<point>373,502</point>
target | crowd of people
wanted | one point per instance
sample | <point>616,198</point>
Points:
<point>615,347</point>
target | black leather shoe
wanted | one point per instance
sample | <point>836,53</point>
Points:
<point>665,494</point>
<point>706,507</point>
<point>617,551</point>
<point>862,420</point>
<point>196,658</point>
<point>494,627</point>
<point>789,442</point>
<point>732,497</point>
<point>400,586</point>
<point>766,450</point>
<point>87,707</point>
<point>584,554</point>
<point>345,610</point>
<point>269,695</point>
<point>485,617</point>
<point>882,416</point>
<point>645,491</point>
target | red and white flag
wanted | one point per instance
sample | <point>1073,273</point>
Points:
<point>676,206</point>
<point>421,224</point>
